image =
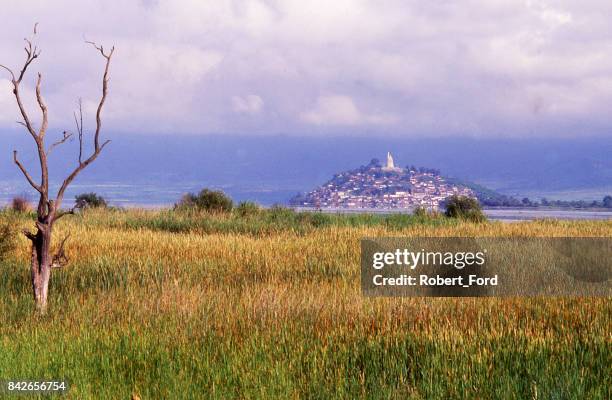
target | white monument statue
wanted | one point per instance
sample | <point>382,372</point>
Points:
<point>390,164</point>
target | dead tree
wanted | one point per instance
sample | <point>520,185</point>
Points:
<point>49,211</point>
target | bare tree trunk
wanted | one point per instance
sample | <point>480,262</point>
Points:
<point>41,266</point>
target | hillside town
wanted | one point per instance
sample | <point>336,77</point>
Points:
<point>374,186</point>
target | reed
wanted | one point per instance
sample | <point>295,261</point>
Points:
<point>169,304</point>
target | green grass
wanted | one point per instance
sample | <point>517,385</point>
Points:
<point>180,305</point>
<point>265,222</point>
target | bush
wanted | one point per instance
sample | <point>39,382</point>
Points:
<point>89,200</point>
<point>247,209</point>
<point>21,204</point>
<point>463,207</point>
<point>209,200</point>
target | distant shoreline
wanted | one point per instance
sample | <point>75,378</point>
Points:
<point>544,208</point>
<point>506,214</point>
<point>403,210</point>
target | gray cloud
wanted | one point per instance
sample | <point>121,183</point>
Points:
<point>483,68</point>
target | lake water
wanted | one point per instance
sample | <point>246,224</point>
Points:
<point>154,194</point>
<point>515,215</point>
<point>505,215</point>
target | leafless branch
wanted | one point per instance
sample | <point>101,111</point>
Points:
<point>66,136</point>
<point>97,146</point>
<point>29,235</point>
<point>101,49</point>
<point>79,126</point>
<point>32,52</point>
<point>25,173</point>
<point>104,91</point>
<point>24,114</point>
<point>43,109</point>
<point>60,259</point>
<point>63,213</point>
<point>10,72</point>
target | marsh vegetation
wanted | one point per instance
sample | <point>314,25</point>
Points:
<point>267,304</point>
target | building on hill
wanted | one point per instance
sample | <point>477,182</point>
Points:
<point>373,186</point>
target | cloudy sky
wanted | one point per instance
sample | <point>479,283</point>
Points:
<point>402,68</point>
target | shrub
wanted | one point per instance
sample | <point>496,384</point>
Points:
<point>247,209</point>
<point>209,200</point>
<point>187,201</point>
<point>21,204</point>
<point>89,200</point>
<point>464,207</point>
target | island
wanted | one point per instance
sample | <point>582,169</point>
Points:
<point>374,186</point>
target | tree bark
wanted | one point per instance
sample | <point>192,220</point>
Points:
<point>41,265</point>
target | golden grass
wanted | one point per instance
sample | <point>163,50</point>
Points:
<point>295,297</point>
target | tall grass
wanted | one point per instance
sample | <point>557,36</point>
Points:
<point>193,305</point>
<point>264,222</point>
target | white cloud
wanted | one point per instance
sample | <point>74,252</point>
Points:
<point>341,110</point>
<point>452,66</point>
<point>7,101</point>
<point>9,113</point>
<point>249,104</point>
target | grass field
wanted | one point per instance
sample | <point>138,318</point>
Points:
<point>188,305</point>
